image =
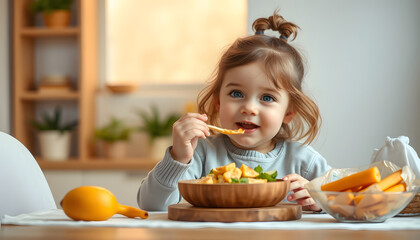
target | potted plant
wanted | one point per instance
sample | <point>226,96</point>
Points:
<point>56,13</point>
<point>54,137</point>
<point>114,136</point>
<point>159,130</point>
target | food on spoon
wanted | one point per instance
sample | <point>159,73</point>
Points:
<point>231,174</point>
<point>226,131</point>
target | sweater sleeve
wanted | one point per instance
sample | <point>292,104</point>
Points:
<point>159,189</point>
<point>316,167</point>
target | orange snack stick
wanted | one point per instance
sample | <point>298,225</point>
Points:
<point>371,211</point>
<point>330,198</point>
<point>391,180</point>
<point>344,198</point>
<point>226,131</point>
<point>345,210</point>
<point>401,187</point>
<point>355,189</point>
<point>357,199</point>
<point>369,200</point>
<point>363,178</point>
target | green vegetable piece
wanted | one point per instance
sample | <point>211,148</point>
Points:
<point>272,172</point>
<point>240,181</point>
<point>269,175</point>
<point>258,169</point>
<point>243,180</point>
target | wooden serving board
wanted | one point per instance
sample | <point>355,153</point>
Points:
<point>280,212</point>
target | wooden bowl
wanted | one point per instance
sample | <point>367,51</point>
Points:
<point>225,195</point>
<point>122,88</point>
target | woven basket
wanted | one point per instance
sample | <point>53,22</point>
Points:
<point>413,207</point>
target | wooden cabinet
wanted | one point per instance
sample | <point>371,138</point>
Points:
<point>83,33</point>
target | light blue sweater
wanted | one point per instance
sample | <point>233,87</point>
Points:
<point>160,188</point>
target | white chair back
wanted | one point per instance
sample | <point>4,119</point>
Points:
<point>23,187</point>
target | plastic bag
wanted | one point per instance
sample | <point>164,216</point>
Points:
<point>385,168</point>
<point>398,151</point>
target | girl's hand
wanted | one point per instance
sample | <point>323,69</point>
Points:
<point>186,132</point>
<point>300,194</point>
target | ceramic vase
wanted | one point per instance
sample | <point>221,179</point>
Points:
<point>56,19</point>
<point>55,145</point>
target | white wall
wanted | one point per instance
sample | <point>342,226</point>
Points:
<point>363,60</point>
<point>4,68</point>
<point>123,184</point>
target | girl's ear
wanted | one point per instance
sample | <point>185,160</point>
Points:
<point>289,117</point>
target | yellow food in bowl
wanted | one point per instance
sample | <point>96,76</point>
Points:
<point>231,174</point>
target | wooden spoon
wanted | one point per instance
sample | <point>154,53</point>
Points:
<point>226,131</point>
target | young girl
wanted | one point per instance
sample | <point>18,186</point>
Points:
<point>257,87</point>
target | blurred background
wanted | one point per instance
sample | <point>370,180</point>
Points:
<point>122,63</point>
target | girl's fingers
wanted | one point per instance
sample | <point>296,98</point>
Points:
<point>184,126</point>
<point>296,181</point>
<point>297,185</point>
<point>309,203</point>
<point>185,133</point>
<point>302,193</point>
<point>189,131</point>
<point>193,133</point>
<point>202,117</point>
<point>303,198</point>
<point>293,177</point>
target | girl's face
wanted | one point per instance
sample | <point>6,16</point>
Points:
<point>249,100</point>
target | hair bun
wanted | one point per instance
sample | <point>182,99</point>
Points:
<point>276,23</point>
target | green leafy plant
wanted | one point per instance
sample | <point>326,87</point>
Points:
<point>155,125</point>
<point>50,5</point>
<point>116,130</point>
<point>53,123</point>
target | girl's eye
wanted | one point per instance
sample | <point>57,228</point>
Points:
<point>236,94</point>
<point>267,98</point>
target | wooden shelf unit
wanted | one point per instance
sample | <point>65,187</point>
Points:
<point>99,164</point>
<point>25,97</point>
<point>44,32</point>
<point>34,96</point>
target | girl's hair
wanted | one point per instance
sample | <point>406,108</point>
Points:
<point>284,67</point>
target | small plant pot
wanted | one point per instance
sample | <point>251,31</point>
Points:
<point>57,19</point>
<point>159,146</point>
<point>55,145</point>
<point>115,150</point>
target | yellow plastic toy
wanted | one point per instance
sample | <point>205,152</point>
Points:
<point>92,203</point>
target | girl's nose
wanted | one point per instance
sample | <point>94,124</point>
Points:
<point>249,107</point>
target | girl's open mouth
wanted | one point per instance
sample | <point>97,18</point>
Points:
<point>247,126</point>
